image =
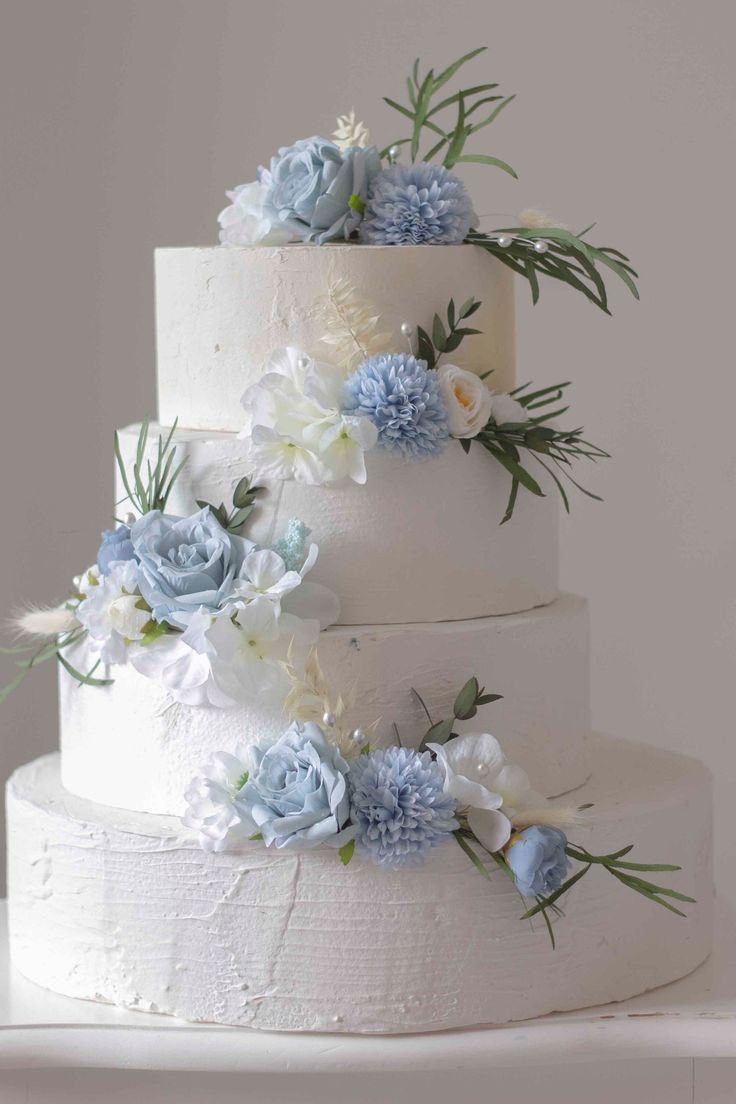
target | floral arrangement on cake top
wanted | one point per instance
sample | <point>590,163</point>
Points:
<point>321,784</point>
<point>313,420</point>
<point>187,601</point>
<point>322,190</point>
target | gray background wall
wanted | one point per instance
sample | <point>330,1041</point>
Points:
<point>123,121</point>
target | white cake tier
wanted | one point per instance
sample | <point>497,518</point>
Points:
<point>125,908</point>
<point>420,541</point>
<point>130,745</point>
<point>221,313</point>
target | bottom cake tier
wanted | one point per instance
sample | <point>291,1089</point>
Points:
<point>123,907</point>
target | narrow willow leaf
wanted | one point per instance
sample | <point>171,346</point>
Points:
<point>480,866</point>
<point>545,902</point>
<point>486,159</point>
<point>511,502</point>
<point>465,93</point>
<point>493,115</point>
<point>451,70</point>
<point>85,680</point>
<point>459,136</point>
<point>518,472</point>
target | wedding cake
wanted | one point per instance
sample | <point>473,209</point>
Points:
<point>326,753</point>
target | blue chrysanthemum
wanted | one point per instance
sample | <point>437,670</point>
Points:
<point>403,400</point>
<point>420,204</point>
<point>398,806</point>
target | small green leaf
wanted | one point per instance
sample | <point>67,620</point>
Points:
<point>346,852</point>
<point>355,203</point>
<point>465,703</point>
<point>242,490</point>
<point>240,517</point>
<point>440,732</point>
<point>256,836</point>
<point>439,337</point>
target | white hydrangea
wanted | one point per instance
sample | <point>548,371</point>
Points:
<point>296,427</point>
<point>211,808</point>
<point>247,220</point>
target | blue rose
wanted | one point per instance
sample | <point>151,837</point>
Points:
<point>317,190</point>
<point>538,861</point>
<point>186,563</point>
<point>116,545</point>
<point>297,793</point>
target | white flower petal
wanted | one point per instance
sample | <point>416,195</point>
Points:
<point>492,828</point>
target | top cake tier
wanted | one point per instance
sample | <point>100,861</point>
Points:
<point>221,312</point>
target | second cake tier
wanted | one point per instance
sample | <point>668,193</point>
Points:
<point>130,745</point>
<point>420,541</point>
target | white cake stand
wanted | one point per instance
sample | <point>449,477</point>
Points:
<point>657,1046</point>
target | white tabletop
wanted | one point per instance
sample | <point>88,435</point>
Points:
<point>695,1018</point>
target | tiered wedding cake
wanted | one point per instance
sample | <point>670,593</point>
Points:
<point>242,912</point>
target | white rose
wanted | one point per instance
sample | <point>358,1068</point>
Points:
<point>247,221</point>
<point>467,399</point>
<point>126,618</point>
<point>507,409</point>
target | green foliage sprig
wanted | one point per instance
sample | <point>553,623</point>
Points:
<point>464,708</point>
<point>244,497</point>
<point>424,112</point>
<point>148,485</point>
<point>548,446</point>
<point>614,863</point>
<point>568,258</point>
<point>51,648</point>
<point>446,340</point>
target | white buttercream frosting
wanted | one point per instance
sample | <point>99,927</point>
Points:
<point>420,541</point>
<point>130,744</point>
<point>125,907</point>
<point>222,312</point>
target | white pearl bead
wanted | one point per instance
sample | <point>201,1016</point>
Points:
<point>328,719</point>
<point>357,736</point>
<point>394,153</point>
<point>504,240</point>
<point>407,329</point>
<point>482,769</point>
<point>541,246</point>
<point>302,362</point>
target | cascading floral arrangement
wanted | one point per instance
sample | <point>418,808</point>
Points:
<point>320,190</point>
<point>320,784</point>
<point>313,420</point>
<point>187,601</point>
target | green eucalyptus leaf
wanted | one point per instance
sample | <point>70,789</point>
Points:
<point>439,337</point>
<point>242,491</point>
<point>440,732</point>
<point>465,703</point>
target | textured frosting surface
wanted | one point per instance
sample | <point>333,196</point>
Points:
<point>420,541</point>
<point>221,313</point>
<point>123,907</point>
<point>130,745</point>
